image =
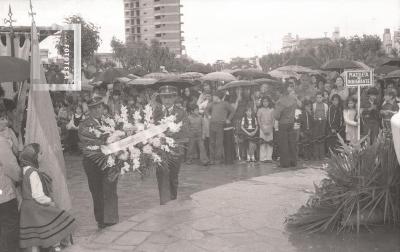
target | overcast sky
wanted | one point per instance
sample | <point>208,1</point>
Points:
<point>222,29</point>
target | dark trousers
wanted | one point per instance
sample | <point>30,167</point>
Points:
<point>216,141</point>
<point>287,145</point>
<point>9,226</point>
<point>318,135</point>
<point>275,151</point>
<point>104,193</point>
<point>167,180</point>
<point>229,146</point>
<point>207,146</point>
<point>307,145</point>
<point>371,127</point>
<point>196,145</point>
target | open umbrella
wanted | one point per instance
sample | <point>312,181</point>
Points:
<point>109,75</point>
<point>392,62</point>
<point>385,69</point>
<point>191,76</point>
<point>266,81</point>
<point>218,76</point>
<point>239,83</point>
<point>284,74</point>
<point>305,61</point>
<point>174,81</point>
<point>250,74</point>
<point>393,75</point>
<point>297,69</point>
<point>159,75</point>
<point>13,69</point>
<point>142,82</point>
<point>340,65</point>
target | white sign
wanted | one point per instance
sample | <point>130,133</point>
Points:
<point>359,78</point>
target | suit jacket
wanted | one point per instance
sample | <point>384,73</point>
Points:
<point>86,137</point>
<point>181,116</point>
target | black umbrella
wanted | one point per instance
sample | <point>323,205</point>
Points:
<point>109,75</point>
<point>250,74</point>
<point>240,83</point>
<point>174,81</point>
<point>385,69</point>
<point>393,75</point>
<point>392,62</point>
<point>13,69</point>
<point>340,65</point>
<point>267,81</point>
<point>305,61</point>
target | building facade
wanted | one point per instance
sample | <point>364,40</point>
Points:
<point>289,43</point>
<point>146,20</point>
<point>387,41</point>
<point>396,39</point>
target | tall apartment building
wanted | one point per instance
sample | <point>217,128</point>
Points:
<point>146,20</point>
<point>387,41</point>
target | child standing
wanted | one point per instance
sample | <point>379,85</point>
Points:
<point>320,111</point>
<point>306,128</point>
<point>41,223</point>
<point>335,123</point>
<point>250,127</point>
<point>350,120</point>
<point>195,135</point>
<point>265,116</point>
<point>370,115</point>
<point>389,108</point>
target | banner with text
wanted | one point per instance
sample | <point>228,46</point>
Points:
<point>359,78</point>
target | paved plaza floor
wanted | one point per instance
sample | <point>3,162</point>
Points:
<point>246,215</point>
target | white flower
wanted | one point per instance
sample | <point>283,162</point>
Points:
<point>95,131</point>
<point>107,129</point>
<point>175,127</point>
<point>156,158</point>
<point>165,148</point>
<point>136,164</point>
<point>148,113</point>
<point>115,136</point>
<point>124,155</point>
<point>147,149</point>
<point>128,127</point>
<point>93,148</point>
<point>110,122</point>
<point>140,127</point>
<point>170,141</point>
<point>125,168</point>
<point>155,142</point>
<point>137,116</point>
<point>124,113</point>
<point>135,152</point>
<point>110,161</point>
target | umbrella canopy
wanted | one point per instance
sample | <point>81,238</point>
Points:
<point>159,76</point>
<point>393,75</point>
<point>239,83</point>
<point>13,69</point>
<point>176,82</point>
<point>142,82</point>
<point>385,69</point>
<point>218,76</point>
<point>305,61</point>
<point>392,62</point>
<point>191,76</point>
<point>250,73</point>
<point>266,81</point>
<point>109,75</point>
<point>284,74</point>
<point>340,64</point>
<point>297,69</point>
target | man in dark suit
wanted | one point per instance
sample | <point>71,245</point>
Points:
<point>167,177</point>
<point>104,191</point>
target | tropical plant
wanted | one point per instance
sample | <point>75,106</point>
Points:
<point>362,188</point>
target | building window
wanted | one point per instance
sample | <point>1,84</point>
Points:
<point>138,21</point>
<point>137,13</point>
<point>158,26</point>
<point>132,21</point>
<point>126,5</point>
<point>158,17</point>
<point>138,29</point>
<point>127,29</point>
<point>158,35</point>
<point>145,30</point>
<point>145,21</point>
<point>157,8</point>
<point>144,13</point>
<point>137,4</point>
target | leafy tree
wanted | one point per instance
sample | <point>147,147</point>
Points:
<point>90,39</point>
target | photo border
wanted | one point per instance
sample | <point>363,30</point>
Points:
<point>77,85</point>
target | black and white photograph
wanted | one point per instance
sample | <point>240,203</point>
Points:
<point>199,126</point>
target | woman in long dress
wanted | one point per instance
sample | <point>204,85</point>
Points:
<point>265,117</point>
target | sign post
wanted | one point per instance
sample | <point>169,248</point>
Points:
<point>359,78</point>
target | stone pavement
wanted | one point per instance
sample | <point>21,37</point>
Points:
<point>242,216</point>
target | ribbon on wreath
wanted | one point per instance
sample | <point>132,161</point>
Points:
<point>139,137</point>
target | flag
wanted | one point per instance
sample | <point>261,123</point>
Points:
<point>41,128</point>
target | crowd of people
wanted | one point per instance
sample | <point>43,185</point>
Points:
<point>297,118</point>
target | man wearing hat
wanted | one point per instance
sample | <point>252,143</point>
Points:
<point>104,191</point>
<point>370,114</point>
<point>167,177</point>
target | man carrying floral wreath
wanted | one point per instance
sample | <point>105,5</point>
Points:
<point>103,190</point>
<point>167,177</point>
